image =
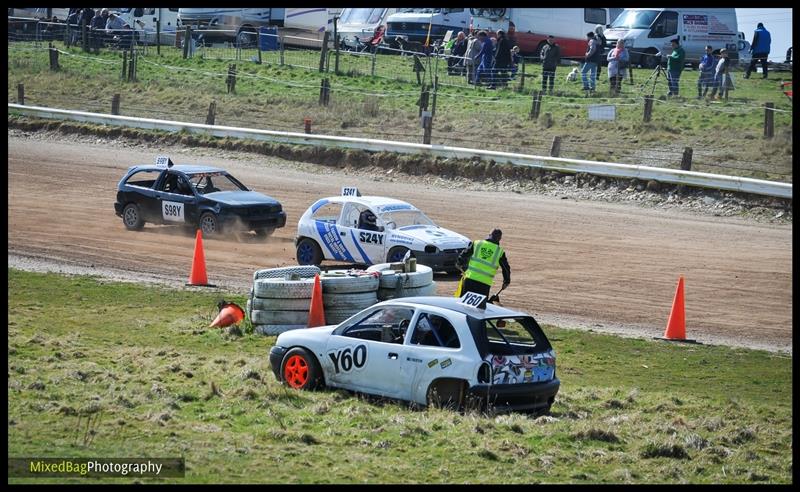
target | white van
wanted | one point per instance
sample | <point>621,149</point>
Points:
<point>356,25</point>
<point>648,32</point>
<point>418,24</point>
<point>143,21</point>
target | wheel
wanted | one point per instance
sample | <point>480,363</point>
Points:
<point>446,393</point>
<point>246,39</point>
<point>308,252</point>
<point>649,60</point>
<point>209,224</point>
<point>132,217</point>
<point>300,370</point>
<point>263,233</point>
<point>396,254</point>
<point>538,53</point>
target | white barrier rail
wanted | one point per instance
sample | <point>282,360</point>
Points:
<point>610,169</point>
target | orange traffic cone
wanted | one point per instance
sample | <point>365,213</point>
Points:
<point>229,314</point>
<point>676,324</point>
<point>316,313</point>
<point>198,275</point>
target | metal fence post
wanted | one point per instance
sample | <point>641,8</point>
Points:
<point>187,39</point>
<point>124,65</point>
<point>769,120</point>
<point>522,75</point>
<point>374,57</point>
<point>282,41</point>
<point>336,42</point>
<point>158,36</point>
<point>435,89</point>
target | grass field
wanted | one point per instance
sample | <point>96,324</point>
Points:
<point>157,383</point>
<point>727,137</point>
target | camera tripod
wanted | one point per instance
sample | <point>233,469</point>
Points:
<point>653,78</point>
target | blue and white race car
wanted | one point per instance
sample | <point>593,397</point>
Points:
<point>427,350</point>
<point>373,229</point>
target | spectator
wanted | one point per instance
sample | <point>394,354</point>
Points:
<point>618,59</point>
<point>516,59</point>
<point>601,41</point>
<point>473,48</point>
<point>97,26</point>
<point>502,57</point>
<point>591,60</point>
<point>457,53</point>
<point>760,50</point>
<point>485,60</point>
<point>86,16</point>
<point>550,55</point>
<point>675,63</point>
<point>706,78</point>
<point>72,24</point>
<point>721,77</point>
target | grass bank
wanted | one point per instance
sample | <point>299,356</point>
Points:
<point>157,382</point>
<point>727,137</point>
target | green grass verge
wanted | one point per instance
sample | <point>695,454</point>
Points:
<point>142,362</point>
<point>727,138</point>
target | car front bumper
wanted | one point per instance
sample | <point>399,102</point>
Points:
<point>523,396</point>
<point>441,260</point>
<point>276,354</point>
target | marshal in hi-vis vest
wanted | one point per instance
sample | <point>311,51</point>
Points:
<point>484,261</point>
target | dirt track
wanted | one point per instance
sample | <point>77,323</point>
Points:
<point>613,267</point>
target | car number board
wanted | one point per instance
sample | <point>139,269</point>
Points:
<point>172,211</point>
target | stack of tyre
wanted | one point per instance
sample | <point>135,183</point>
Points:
<point>346,292</point>
<point>394,284</point>
<point>278,303</point>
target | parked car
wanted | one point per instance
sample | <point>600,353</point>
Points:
<point>426,350</point>
<point>205,197</point>
<point>333,228</point>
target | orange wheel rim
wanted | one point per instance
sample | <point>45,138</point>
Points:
<point>296,371</point>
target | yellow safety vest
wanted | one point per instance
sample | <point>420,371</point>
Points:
<point>484,261</point>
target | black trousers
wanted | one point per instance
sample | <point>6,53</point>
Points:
<point>548,76</point>
<point>476,287</point>
<point>756,57</point>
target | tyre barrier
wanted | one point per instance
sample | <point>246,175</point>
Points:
<point>279,317</point>
<point>389,278</point>
<point>348,282</point>
<point>304,271</point>
<point>353,302</point>
<point>267,304</point>
<point>336,316</point>
<point>427,290</point>
<point>283,289</point>
<point>272,330</point>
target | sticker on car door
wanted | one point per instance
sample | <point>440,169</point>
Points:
<point>172,211</point>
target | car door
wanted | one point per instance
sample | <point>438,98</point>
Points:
<point>433,351</point>
<point>176,199</point>
<point>368,355</point>
<point>365,246</point>
<point>140,188</point>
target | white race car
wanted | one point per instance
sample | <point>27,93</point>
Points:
<point>428,350</point>
<point>374,229</point>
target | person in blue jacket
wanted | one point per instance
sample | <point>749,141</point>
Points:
<point>485,60</point>
<point>760,50</point>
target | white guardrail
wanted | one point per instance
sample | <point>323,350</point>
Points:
<point>610,169</point>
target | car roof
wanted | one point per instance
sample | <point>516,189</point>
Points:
<point>183,168</point>
<point>454,304</point>
<point>370,201</point>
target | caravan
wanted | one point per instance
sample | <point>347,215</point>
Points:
<point>529,28</point>
<point>143,22</point>
<point>425,25</point>
<point>356,26</point>
<point>647,32</point>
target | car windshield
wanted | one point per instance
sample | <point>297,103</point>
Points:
<point>206,183</point>
<point>635,19</point>
<point>403,218</point>
<point>362,16</point>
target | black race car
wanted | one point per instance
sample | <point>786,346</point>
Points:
<point>201,196</point>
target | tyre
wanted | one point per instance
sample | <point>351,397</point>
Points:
<point>396,254</point>
<point>263,233</point>
<point>279,317</point>
<point>246,39</point>
<point>336,316</point>
<point>308,252</point>
<point>300,370</point>
<point>273,288</point>
<point>306,271</point>
<point>446,393</point>
<point>354,302</point>
<point>267,304</point>
<point>209,224</point>
<point>341,284</point>
<point>538,53</point>
<point>272,330</point>
<point>428,290</point>
<point>389,278</point>
<point>132,217</point>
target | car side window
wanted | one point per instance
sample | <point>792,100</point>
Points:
<point>384,325</point>
<point>435,331</point>
<point>144,179</point>
<point>328,213</point>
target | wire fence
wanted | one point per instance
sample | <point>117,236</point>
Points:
<point>358,100</point>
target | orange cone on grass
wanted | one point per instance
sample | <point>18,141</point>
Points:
<point>676,323</point>
<point>198,274</point>
<point>316,313</point>
<point>229,314</point>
